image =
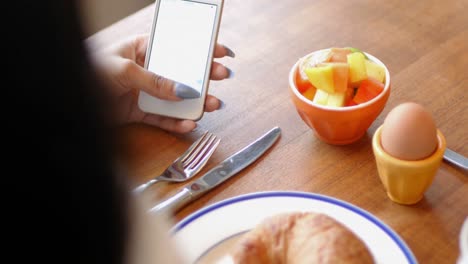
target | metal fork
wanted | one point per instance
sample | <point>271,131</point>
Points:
<point>188,164</point>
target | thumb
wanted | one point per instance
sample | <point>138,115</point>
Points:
<point>159,86</point>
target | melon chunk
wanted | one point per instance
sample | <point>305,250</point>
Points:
<point>357,67</point>
<point>339,54</point>
<point>336,99</point>
<point>375,71</point>
<point>321,97</point>
<point>321,77</point>
<point>340,76</point>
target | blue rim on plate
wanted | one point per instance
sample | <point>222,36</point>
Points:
<point>395,237</point>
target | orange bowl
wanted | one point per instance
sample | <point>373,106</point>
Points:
<point>339,125</point>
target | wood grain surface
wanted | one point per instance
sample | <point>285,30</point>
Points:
<point>423,43</point>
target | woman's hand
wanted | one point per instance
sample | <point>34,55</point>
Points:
<point>123,64</point>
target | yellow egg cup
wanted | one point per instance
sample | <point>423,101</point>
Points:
<point>407,181</point>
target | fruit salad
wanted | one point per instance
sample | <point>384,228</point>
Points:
<point>339,77</point>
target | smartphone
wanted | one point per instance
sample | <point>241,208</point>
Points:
<point>181,47</point>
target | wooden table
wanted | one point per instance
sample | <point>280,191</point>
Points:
<point>423,43</point>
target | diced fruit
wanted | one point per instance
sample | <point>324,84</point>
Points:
<point>302,84</point>
<point>340,76</point>
<point>313,60</point>
<point>336,99</point>
<point>310,93</point>
<point>339,54</point>
<point>356,50</point>
<point>350,102</point>
<point>375,71</point>
<point>321,97</point>
<point>350,91</point>
<point>321,77</point>
<point>357,67</point>
<point>367,90</point>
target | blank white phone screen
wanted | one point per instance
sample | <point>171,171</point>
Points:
<point>181,42</point>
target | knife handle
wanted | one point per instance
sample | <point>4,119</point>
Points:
<point>174,203</point>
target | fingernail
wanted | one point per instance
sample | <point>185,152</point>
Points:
<point>186,92</point>
<point>230,73</point>
<point>222,105</point>
<point>229,52</point>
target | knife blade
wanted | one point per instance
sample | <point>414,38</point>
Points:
<point>220,173</point>
<point>456,159</point>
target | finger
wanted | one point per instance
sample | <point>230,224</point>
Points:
<point>155,85</point>
<point>141,43</point>
<point>170,124</point>
<point>212,103</point>
<point>222,50</point>
<point>139,78</point>
<point>220,72</point>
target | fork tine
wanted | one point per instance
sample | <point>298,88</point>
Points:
<point>208,139</point>
<point>195,156</point>
<point>204,154</point>
<point>189,152</point>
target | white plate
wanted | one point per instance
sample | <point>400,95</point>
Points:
<point>204,231</point>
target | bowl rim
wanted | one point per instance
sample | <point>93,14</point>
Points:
<point>292,86</point>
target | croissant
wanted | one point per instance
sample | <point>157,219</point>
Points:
<point>300,237</point>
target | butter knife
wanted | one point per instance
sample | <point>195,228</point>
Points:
<point>220,173</point>
<point>456,159</point>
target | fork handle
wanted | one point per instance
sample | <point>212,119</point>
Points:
<point>174,203</point>
<point>141,188</point>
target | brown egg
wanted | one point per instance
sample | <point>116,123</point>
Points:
<point>409,132</point>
